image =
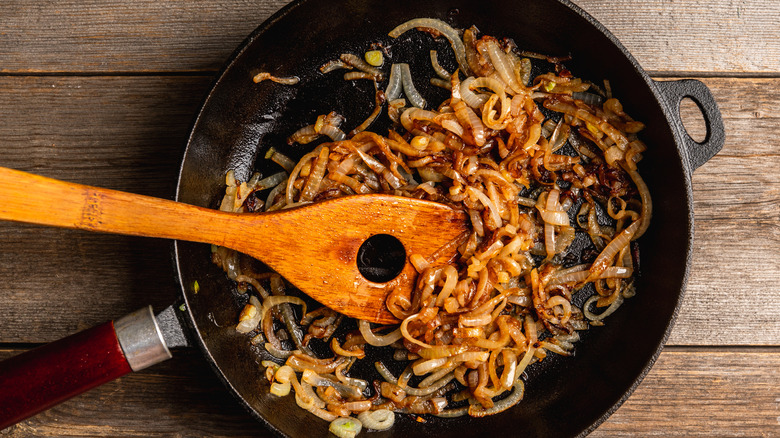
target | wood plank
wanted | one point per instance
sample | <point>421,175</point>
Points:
<point>705,393</point>
<point>733,291</point>
<point>125,133</point>
<point>737,238</point>
<point>149,36</point>
<point>736,243</point>
<point>750,117</point>
<point>737,187</point>
<point>120,36</point>
<point>669,36</point>
<point>58,281</point>
<point>689,392</point>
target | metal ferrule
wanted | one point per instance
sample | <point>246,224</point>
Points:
<point>141,339</point>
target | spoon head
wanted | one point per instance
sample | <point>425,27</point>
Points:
<point>317,248</point>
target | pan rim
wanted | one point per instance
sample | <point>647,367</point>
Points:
<point>681,155</point>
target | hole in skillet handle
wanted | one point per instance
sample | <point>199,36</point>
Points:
<point>381,258</point>
<point>693,120</point>
<point>673,93</point>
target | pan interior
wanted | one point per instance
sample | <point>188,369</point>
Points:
<point>240,120</point>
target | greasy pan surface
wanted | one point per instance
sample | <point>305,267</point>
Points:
<point>240,120</point>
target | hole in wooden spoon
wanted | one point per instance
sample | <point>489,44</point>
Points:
<point>381,258</point>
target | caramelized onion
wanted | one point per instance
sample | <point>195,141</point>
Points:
<point>611,250</point>
<point>263,76</point>
<point>492,149</point>
<point>514,398</point>
<point>502,64</point>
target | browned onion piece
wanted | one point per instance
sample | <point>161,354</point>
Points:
<point>334,64</point>
<point>471,121</point>
<point>264,76</point>
<point>379,100</point>
<point>305,135</point>
<point>611,250</point>
<point>356,75</point>
<point>360,64</point>
<point>514,397</point>
<point>315,176</point>
<point>502,65</point>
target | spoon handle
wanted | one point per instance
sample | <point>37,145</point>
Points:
<point>315,247</point>
<point>35,199</point>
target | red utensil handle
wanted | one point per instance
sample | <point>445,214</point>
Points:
<point>41,378</point>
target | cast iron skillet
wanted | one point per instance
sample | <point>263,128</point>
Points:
<point>240,120</point>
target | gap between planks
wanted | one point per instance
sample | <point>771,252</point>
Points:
<point>653,74</point>
<point>664,36</point>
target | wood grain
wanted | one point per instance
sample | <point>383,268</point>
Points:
<point>666,36</point>
<point>720,38</point>
<point>689,392</point>
<point>737,208</point>
<point>103,92</point>
<point>57,282</point>
<point>118,132</point>
<point>110,36</point>
<point>289,241</point>
<point>124,133</point>
<point>704,393</point>
<point>734,272</point>
<point>70,131</point>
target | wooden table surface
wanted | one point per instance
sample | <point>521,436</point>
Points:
<point>103,92</point>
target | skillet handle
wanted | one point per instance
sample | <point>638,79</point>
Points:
<point>673,93</point>
<point>41,378</point>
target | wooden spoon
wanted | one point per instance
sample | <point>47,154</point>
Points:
<point>315,247</point>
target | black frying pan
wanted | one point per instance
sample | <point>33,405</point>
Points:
<point>240,120</point>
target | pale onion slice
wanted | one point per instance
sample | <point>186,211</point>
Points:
<point>472,99</point>
<point>345,427</point>
<point>411,92</point>
<point>440,71</point>
<point>393,90</point>
<point>280,389</point>
<point>609,311</point>
<point>381,419</point>
<point>376,340</point>
<point>250,317</point>
<point>445,29</point>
